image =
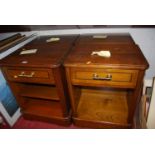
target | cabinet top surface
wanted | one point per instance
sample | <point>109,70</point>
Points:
<point>48,54</point>
<point>106,38</point>
<point>122,56</point>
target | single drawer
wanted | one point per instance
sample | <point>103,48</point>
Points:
<point>104,77</point>
<point>30,75</point>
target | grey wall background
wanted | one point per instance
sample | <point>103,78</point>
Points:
<point>144,37</point>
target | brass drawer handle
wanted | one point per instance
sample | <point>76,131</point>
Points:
<point>108,77</point>
<point>26,75</point>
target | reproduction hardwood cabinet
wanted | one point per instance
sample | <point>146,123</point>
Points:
<point>104,92</point>
<point>38,79</point>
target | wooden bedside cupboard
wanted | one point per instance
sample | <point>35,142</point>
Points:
<point>38,80</point>
<point>104,92</point>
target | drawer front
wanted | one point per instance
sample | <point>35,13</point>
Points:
<point>30,75</point>
<point>104,77</point>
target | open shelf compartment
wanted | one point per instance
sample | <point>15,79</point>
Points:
<point>101,105</point>
<point>40,91</point>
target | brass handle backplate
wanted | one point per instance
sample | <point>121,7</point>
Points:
<point>22,74</point>
<point>108,77</point>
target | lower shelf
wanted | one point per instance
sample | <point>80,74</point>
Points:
<point>44,108</point>
<point>107,107</point>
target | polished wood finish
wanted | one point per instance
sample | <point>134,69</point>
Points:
<point>104,106</point>
<point>119,77</point>
<point>122,57</point>
<point>40,75</point>
<point>48,55</point>
<point>39,85</point>
<point>106,38</point>
<point>42,107</point>
<point>104,92</point>
<point>40,91</point>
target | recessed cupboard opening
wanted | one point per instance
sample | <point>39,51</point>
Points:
<point>41,91</point>
<point>39,99</point>
<point>102,104</point>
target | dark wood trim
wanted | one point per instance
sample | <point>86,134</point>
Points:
<point>11,41</point>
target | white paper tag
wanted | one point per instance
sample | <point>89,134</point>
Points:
<point>100,36</point>
<point>52,40</point>
<point>32,51</point>
<point>105,54</point>
<point>24,62</point>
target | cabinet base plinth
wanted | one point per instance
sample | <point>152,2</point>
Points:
<point>64,121</point>
<point>99,124</point>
